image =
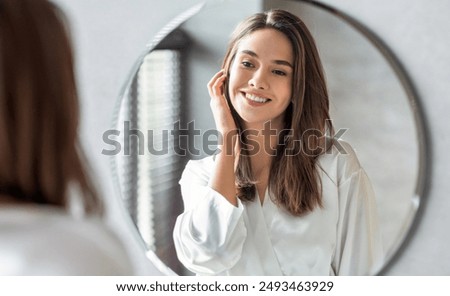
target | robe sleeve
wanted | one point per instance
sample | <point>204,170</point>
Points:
<point>359,248</point>
<point>209,235</point>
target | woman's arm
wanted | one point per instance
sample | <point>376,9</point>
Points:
<point>223,178</point>
<point>210,234</point>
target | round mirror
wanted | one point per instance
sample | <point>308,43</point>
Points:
<point>164,119</point>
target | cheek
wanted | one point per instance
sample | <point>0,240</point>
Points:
<point>237,77</point>
<point>288,88</point>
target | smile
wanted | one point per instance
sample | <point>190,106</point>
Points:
<point>255,98</point>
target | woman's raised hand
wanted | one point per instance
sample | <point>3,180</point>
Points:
<point>219,105</point>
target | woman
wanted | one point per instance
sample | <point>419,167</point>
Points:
<point>43,182</point>
<point>278,199</point>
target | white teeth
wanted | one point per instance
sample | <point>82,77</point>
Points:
<point>255,98</point>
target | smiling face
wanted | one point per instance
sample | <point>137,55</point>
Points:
<point>260,78</point>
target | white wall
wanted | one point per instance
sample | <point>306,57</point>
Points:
<point>109,35</point>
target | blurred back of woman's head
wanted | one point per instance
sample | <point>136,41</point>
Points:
<point>40,157</point>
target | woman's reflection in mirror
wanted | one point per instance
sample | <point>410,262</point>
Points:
<point>284,202</point>
<point>42,173</point>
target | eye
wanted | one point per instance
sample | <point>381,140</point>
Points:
<point>279,72</point>
<point>247,64</point>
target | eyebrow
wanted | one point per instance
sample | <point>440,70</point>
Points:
<point>278,62</point>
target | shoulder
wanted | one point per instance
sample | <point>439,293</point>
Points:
<point>340,162</point>
<point>51,242</point>
<point>103,252</point>
<point>198,170</point>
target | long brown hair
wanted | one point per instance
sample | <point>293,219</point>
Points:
<point>293,178</point>
<point>40,155</point>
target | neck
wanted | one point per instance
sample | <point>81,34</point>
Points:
<point>262,138</point>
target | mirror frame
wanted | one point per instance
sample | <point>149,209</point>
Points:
<point>424,148</point>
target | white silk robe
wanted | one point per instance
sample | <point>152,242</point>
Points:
<point>213,237</point>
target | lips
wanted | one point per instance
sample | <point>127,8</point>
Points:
<point>255,99</point>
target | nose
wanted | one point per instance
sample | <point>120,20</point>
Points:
<point>258,80</point>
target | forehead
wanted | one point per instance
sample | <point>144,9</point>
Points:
<point>268,43</point>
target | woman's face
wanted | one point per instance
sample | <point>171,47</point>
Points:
<point>260,78</point>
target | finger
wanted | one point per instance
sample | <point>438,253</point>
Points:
<point>218,86</point>
<point>218,74</point>
<point>214,78</point>
<point>215,83</point>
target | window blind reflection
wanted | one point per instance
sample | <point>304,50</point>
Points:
<point>152,166</point>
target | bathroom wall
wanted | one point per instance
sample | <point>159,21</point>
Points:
<point>109,35</point>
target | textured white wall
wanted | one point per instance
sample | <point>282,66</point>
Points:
<point>109,35</point>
